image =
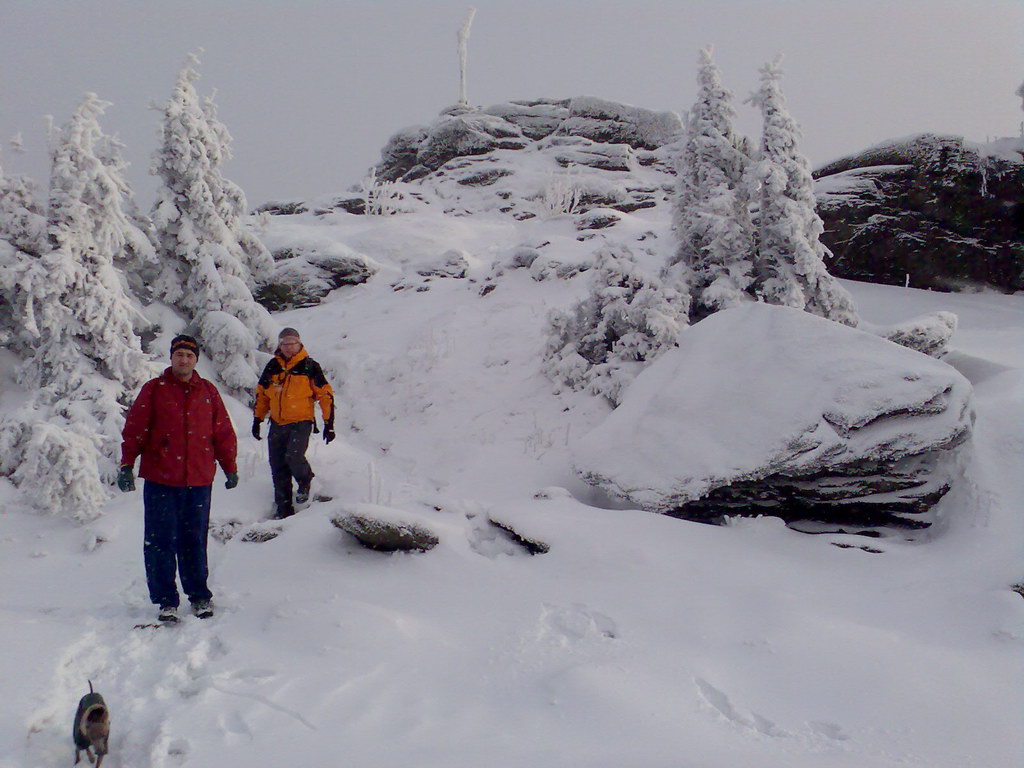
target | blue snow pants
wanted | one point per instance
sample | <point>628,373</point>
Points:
<point>177,523</point>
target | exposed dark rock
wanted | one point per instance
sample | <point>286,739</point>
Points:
<point>531,545</point>
<point>469,134</point>
<point>260,533</point>
<point>536,119</point>
<point>933,209</point>
<point>399,155</point>
<point>484,178</point>
<point>599,219</point>
<point>612,123</point>
<point>385,533</point>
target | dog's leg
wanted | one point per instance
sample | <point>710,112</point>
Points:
<point>90,755</point>
<point>99,761</point>
<point>78,756</point>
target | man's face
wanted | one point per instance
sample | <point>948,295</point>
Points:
<point>183,362</point>
<point>289,345</point>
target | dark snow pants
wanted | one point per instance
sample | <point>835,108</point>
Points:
<point>286,445</point>
<point>177,522</point>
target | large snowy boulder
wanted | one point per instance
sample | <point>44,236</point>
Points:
<point>769,410</point>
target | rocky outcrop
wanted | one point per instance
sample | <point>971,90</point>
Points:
<point>527,159</point>
<point>934,211</point>
<point>769,410</point>
<point>464,132</point>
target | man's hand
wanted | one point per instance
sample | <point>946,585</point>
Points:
<point>126,479</point>
<point>329,432</point>
<point>256,428</point>
<point>232,478</point>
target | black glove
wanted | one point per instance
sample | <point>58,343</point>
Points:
<point>329,430</point>
<point>126,479</point>
<point>232,478</point>
<point>256,428</point>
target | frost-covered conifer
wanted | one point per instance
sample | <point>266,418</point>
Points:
<point>137,257</point>
<point>90,313</point>
<point>85,360</point>
<point>22,221</point>
<point>790,268</point>
<point>627,320</point>
<point>210,262</point>
<point>711,219</point>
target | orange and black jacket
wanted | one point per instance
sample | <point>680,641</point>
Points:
<point>288,389</point>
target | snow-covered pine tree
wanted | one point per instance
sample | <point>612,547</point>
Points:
<point>85,360</point>
<point>137,257</point>
<point>91,312</point>
<point>714,258</point>
<point>790,268</point>
<point>210,262</point>
<point>627,320</point>
<point>22,220</point>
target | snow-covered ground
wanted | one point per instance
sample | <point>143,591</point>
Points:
<point>637,640</point>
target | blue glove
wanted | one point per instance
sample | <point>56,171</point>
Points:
<point>232,480</point>
<point>126,479</point>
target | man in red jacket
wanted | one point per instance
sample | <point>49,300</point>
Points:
<point>180,427</point>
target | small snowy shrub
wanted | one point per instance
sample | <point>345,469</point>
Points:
<point>382,197</point>
<point>561,194</point>
<point>56,462</point>
<point>627,320</point>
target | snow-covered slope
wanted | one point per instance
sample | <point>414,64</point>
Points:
<point>635,640</point>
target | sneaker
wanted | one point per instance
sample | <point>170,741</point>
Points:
<point>168,614</point>
<point>202,609</point>
<point>302,494</point>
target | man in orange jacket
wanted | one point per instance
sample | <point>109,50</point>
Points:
<point>290,386</point>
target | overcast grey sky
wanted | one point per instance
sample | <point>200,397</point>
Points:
<point>311,90</point>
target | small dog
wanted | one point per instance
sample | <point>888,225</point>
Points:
<point>92,727</point>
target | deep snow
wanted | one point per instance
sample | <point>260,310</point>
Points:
<point>637,640</point>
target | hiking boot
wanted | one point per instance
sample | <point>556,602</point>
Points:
<point>202,609</point>
<point>283,512</point>
<point>302,494</point>
<point>168,614</point>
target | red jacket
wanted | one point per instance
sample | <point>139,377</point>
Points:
<point>181,429</point>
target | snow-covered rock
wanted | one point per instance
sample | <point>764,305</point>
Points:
<point>766,409</point>
<point>928,334</point>
<point>306,270</point>
<point>385,529</point>
<point>932,211</point>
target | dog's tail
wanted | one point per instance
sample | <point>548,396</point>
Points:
<point>90,686</point>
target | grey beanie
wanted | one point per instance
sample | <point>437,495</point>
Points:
<point>288,332</point>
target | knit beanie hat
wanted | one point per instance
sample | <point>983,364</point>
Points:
<point>185,342</point>
<point>288,332</point>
